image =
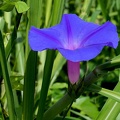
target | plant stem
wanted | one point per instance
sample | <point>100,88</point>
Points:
<point>58,107</point>
<point>79,88</point>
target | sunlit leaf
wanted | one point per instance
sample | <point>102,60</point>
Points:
<point>86,106</point>
<point>108,93</point>
<point>21,6</point>
<point>59,86</point>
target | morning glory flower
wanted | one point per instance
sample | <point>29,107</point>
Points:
<point>76,39</point>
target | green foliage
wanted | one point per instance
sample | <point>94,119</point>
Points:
<point>8,6</point>
<point>19,5</point>
<point>85,105</point>
<point>35,85</point>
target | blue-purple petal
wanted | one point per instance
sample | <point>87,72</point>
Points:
<point>73,29</point>
<point>77,40</point>
<point>82,54</point>
<point>41,39</point>
<point>105,34</point>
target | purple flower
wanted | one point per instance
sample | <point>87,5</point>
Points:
<point>75,39</point>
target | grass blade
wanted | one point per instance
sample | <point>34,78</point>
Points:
<point>29,86</point>
<point>11,42</point>
<point>45,83</point>
<point>56,16</point>
<point>34,15</point>
<point>111,108</point>
<point>105,92</point>
<point>8,88</point>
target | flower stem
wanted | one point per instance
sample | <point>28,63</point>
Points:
<point>51,113</point>
<point>77,89</point>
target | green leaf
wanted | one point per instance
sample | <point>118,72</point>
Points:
<point>87,107</point>
<point>111,108</point>
<point>66,118</point>
<point>56,16</point>
<point>58,64</point>
<point>8,6</point>
<point>15,81</point>
<point>53,111</point>
<point>21,6</point>
<point>118,4</point>
<point>59,86</point>
<point>105,92</point>
<point>81,116</point>
<point>29,86</point>
<point>8,88</point>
